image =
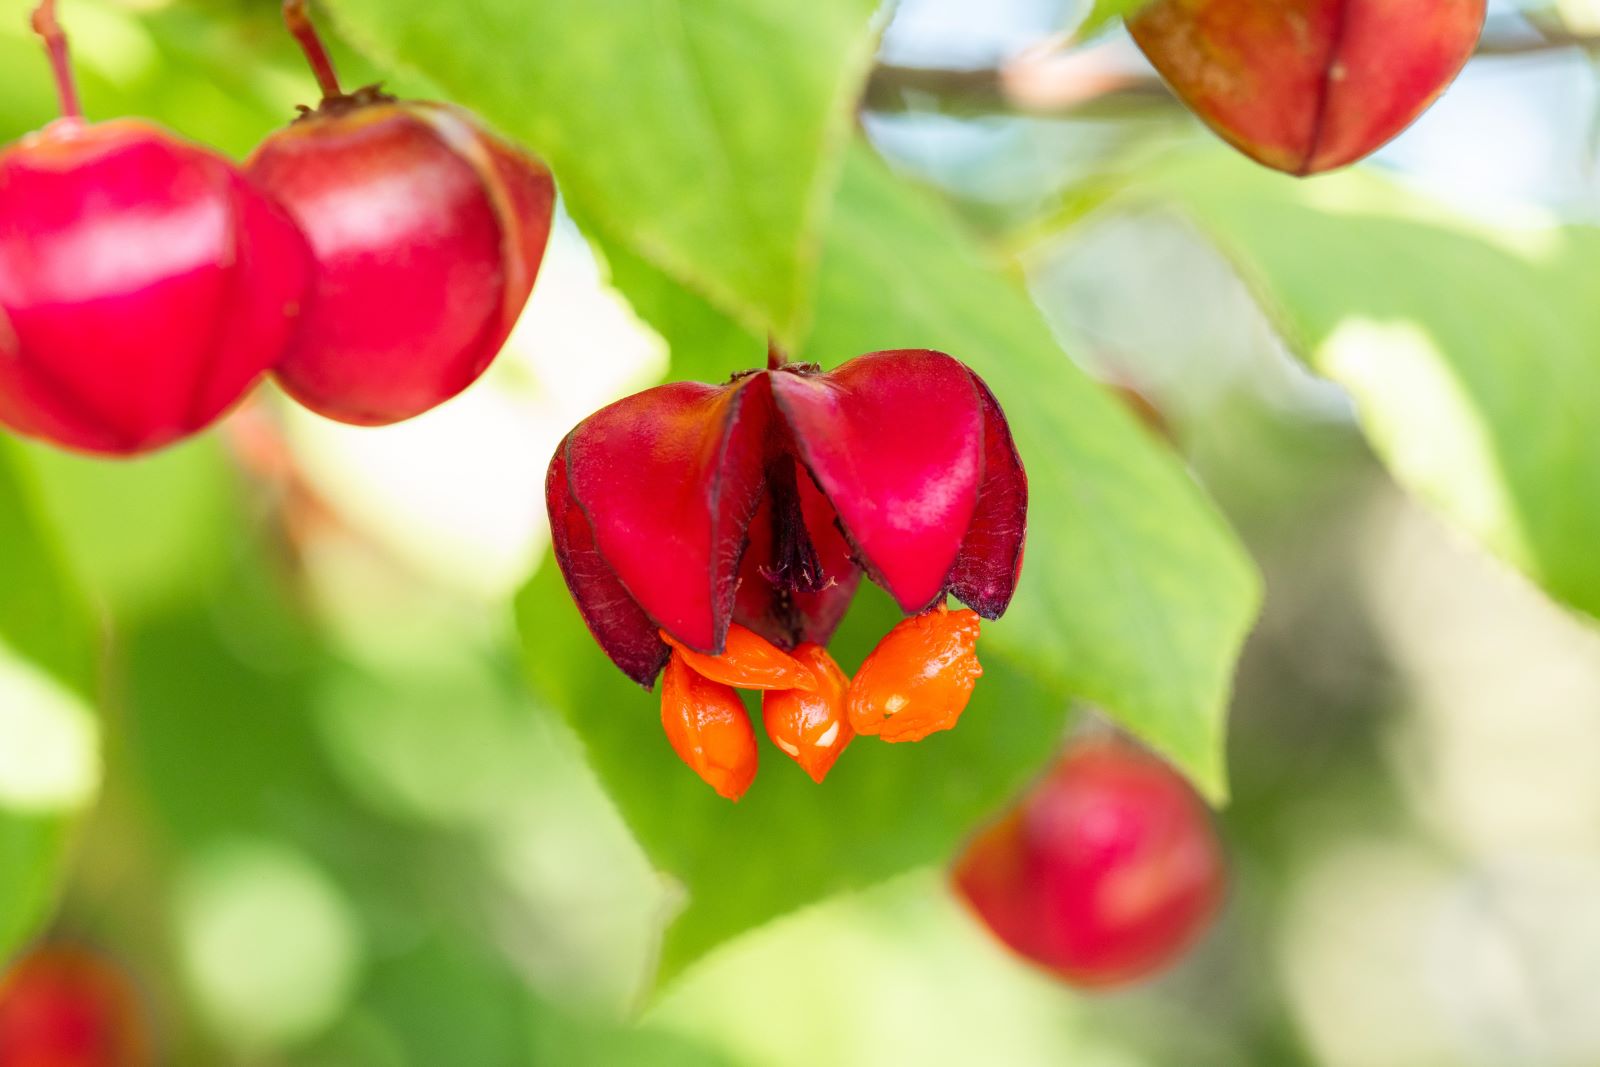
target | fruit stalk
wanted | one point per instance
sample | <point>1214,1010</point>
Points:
<point>298,20</point>
<point>776,356</point>
<point>55,43</point>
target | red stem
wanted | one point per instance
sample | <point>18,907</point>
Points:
<point>776,357</point>
<point>55,43</point>
<point>298,20</point>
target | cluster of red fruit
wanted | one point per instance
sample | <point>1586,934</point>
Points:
<point>373,256</point>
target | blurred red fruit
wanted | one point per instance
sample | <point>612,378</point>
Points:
<point>1308,85</point>
<point>1106,873</point>
<point>64,1007</point>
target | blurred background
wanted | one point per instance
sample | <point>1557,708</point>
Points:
<point>336,829</point>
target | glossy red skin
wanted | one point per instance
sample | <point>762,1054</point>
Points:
<point>661,505</point>
<point>145,285</point>
<point>66,1008</point>
<point>427,232</point>
<point>1306,86</point>
<point>1106,873</point>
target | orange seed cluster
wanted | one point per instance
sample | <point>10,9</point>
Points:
<point>917,681</point>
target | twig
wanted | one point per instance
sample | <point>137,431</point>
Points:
<point>1087,83</point>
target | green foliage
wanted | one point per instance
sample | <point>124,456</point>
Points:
<point>49,757</point>
<point>43,614</point>
<point>1469,352</point>
<point>145,534</point>
<point>1103,13</point>
<point>703,135</point>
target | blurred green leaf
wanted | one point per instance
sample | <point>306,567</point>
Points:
<point>704,135</point>
<point>32,854</point>
<point>493,1021</point>
<point>223,692</point>
<point>1134,594</point>
<point>1103,13</point>
<point>1472,355</point>
<point>175,64</point>
<point>47,677</point>
<point>147,533</point>
<point>43,614</point>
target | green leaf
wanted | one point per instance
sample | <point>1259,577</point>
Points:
<point>49,738</point>
<point>43,615</point>
<point>1134,595</point>
<point>702,134</point>
<point>1473,356</point>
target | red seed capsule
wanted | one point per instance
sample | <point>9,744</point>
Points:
<point>145,283</point>
<point>1306,86</point>
<point>919,678</point>
<point>427,233</point>
<point>1105,873</point>
<point>811,726</point>
<point>764,501</point>
<point>708,728</point>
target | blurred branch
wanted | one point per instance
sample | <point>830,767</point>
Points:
<point>1050,79</point>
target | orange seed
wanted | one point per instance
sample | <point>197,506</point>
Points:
<point>919,678</point>
<point>709,730</point>
<point>811,726</point>
<point>748,661</point>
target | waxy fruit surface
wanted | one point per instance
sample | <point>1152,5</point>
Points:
<point>1306,86</point>
<point>145,284</point>
<point>427,233</point>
